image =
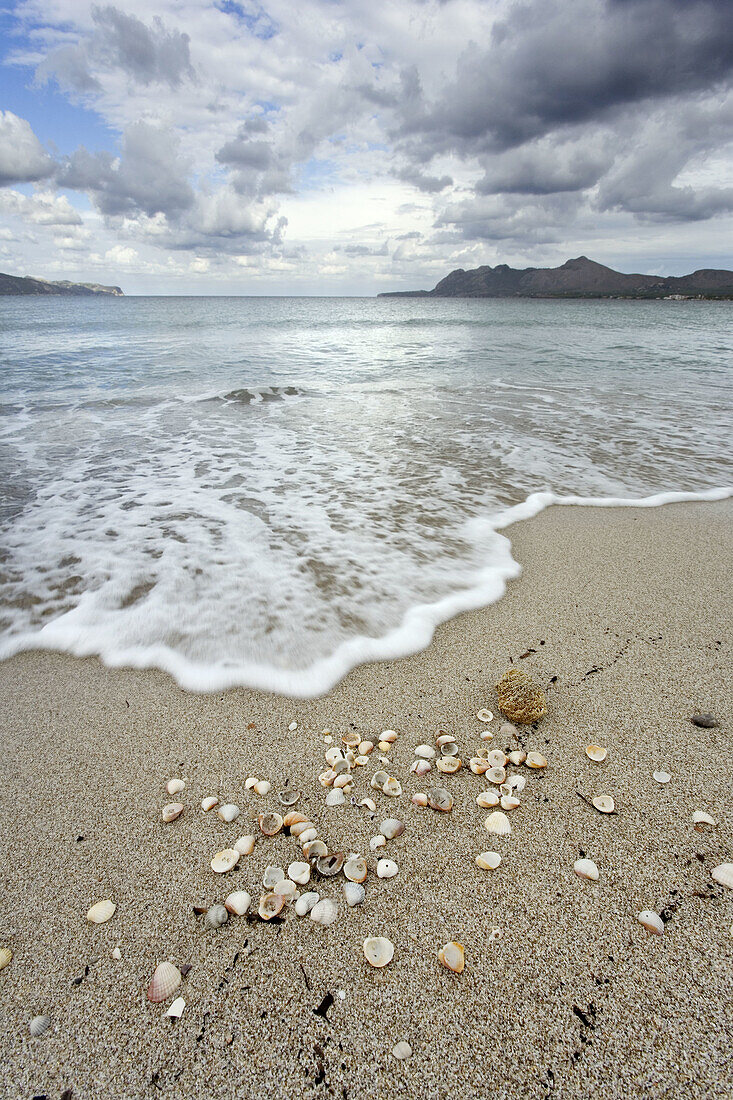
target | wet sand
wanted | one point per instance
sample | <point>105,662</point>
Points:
<point>628,614</point>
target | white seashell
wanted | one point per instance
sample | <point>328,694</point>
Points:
<point>175,786</point>
<point>286,889</point>
<point>419,799</point>
<point>440,799</point>
<point>487,735</point>
<point>238,902</point>
<point>389,736</point>
<point>498,824</point>
<point>293,727</point>
<point>225,860</point>
<point>420,768</point>
<point>701,818</point>
<point>216,916</point>
<point>478,765</point>
<point>401,1050</point>
<point>336,797</point>
<point>5,956</point>
<point>509,802</point>
<point>305,903</point>
<point>355,869</point>
<point>596,753</point>
<point>369,803</point>
<point>448,764</point>
<point>516,757</point>
<point>386,868</point>
<point>263,787</point>
<point>393,788</point>
<point>299,872</point>
<point>209,802</point>
<point>651,921</point>
<point>723,874</point>
<point>326,778</point>
<point>245,845</point>
<point>485,716</point>
<point>354,893</point>
<point>229,812</point>
<point>377,841</point>
<point>250,782</point>
<point>452,957</point>
<point>308,835</point>
<point>497,758</point>
<point>496,775</point>
<point>330,865</point>
<point>517,783</point>
<point>392,828</point>
<point>378,951</point>
<point>324,912</point>
<point>535,760</point>
<point>360,761</point>
<point>450,748</point>
<point>586,868</point>
<point>289,798</point>
<point>425,752</point>
<point>506,729</point>
<point>341,767</point>
<point>487,799</point>
<point>116,953</point>
<point>101,912</point>
<point>176,1009</point>
<point>661,777</point>
<point>342,781</point>
<point>39,1025</point>
<point>270,823</point>
<point>378,780</point>
<point>333,755</point>
<point>171,811</point>
<point>270,905</point>
<point>604,803</point>
<point>272,876</point>
<point>365,747</point>
<point>488,861</point>
<point>314,849</point>
<point>164,982</point>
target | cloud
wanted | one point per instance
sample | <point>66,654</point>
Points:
<point>43,208</point>
<point>430,184</point>
<point>22,157</point>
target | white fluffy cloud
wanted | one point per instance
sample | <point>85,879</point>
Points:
<point>22,157</point>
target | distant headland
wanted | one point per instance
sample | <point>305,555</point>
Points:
<point>579,278</point>
<point>25,285</point>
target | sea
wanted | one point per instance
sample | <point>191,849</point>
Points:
<point>271,491</point>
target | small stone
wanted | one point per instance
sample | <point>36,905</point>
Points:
<point>704,721</point>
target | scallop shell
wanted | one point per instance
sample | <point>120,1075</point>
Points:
<point>651,921</point>
<point>723,874</point>
<point>270,823</point>
<point>387,868</point>
<point>535,760</point>
<point>354,893</point>
<point>604,803</point>
<point>517,783</point>
<point>209,802</point>
<point>440,799</point>
<point>393,788</point>
<point>262,787</point>
<point>176,1009</point>
<point>377,841</point>
<point>497,758</point>
<point>448,764</point>
<point>701,818</point>
<point>378,951</point>
<point>355,869</point>
<point>661,777</point>
<point>420,799</point>
<point>245,845</point>
<point>596,753</point>
<point>516,757</point>
<point>175,786</point>
<point>336,797</point>
<point>586,868</point>
<point>289,798</point>
<point>330,865</point>
<point>272,876</point>
<point>299,872</point>
<point>238,902</point>
<point>485,716</point>
<point>101,912</point>
<point>487,799</point>
<point>452,957</point>
<point>389,736</point>
<point>305,903</point>
<point>488,861</point>
<point>270,905</point>
<point>229,812</point>
<point>498,824</point>
<point>324,912</point>
<point>164,982</point>
<point>392,827</point>
<point>425,752</point>
<point>5,956</point>
<point>496,775</point>
<point>225,860</point>
<point>171,811</point>
<point>216,916</point>
<point>39,1025</point>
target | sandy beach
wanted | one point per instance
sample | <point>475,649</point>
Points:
<point>627,616</point>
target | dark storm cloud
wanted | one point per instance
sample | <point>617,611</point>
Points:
<point>430,184</point>
<point>543,168</point>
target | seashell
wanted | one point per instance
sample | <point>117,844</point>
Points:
<point>425,752</point>
<point>39,1025</point>
<point>341,767</point>
<point>332,755</point>
<point>496,775</point>
<point>342,781</point>
<point>351,740</point>
<point>452,957</point>
<point>238,902</point>
<point>301,828</point>
<point>293,818</point>
<point>377,841</point>
<point>586,868</point>
<point>171,811</point>
<point>262,787</point>
<point>517,783</point>
<point>498,824</point>
<point>245,845</point>
<point>444,739</point>
<point>116,953</point>
<point>365,747</point>
<point>488,861</point>
<point>393,788</point>
<point>604,803</point>
<point>288,798</point>
<point>354,893</point>
<point>389,736</point>
<point>293,727</point>
<point>497,758</point>
<point>164,982</point>
<point>286,889</point>
<point>661,777</point>
<point>723,874</point>
<point>421,767</point>
<point>216,916</point>
<point>440,799</point>
<point>225,860</point>
<point>5,956</point>
<point>229,812</point>
<point>324,912</point>
<point>479,765</point>
<point>176,1009</point>
<point>516,757</point>
<point>101,912</point>
<point>378,951</point>
<point>701,818</point>
<point>355,869</point>
<point>305,903</point>
<point>392,828</point>
<point>209,802</point>
<point>369,803</point>
<point>299,872</point>
<point>330,865</point>
<point>448,764</point>
<point>487,799</point>
<point>175,786</point>
<point>270,823</point>
<point>651,921</point>
<point>378,780</point>
<point>535,760</point>
<point>449,749</point>
<point>250,782</point>
<point>487,735</point>
<point>360,761</point>
<point>505,789</point>
<point>384,746</point>
<point>485,716</point>
<point>272,876</point>
<point>326,778</point>
<point>336,797</point>
<point>420,799</point>
<point>596,753</point>
<point>270,906</point>
<point>401,1050</point>
<point>520,698</point>
<point>509,802</point>
<point>507,729</point>
<point>314,848</point>
<point>387,868</point>
<point>327,737</point>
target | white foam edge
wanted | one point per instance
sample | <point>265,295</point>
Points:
<point>414,633</point>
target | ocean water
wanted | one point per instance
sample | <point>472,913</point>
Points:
<point>269,491</point>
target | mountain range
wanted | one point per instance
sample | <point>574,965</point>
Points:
<point>25,285</point>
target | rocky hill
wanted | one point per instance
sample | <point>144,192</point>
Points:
<point>17,284</point>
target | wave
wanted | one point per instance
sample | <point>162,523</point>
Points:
<point>413,634</point>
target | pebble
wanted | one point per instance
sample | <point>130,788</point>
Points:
<point>704,721</point>
<point>401,1050</point>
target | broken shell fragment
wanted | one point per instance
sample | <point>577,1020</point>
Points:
<point>517,757</point>
<point>604,803</point>
<point>420,799</point>
<point>216,916</point>
<point>421,767</point>
<point>517,783</point>
<point>535,760</point>
<point>392,828</point>
<point>101,912</point>
<point>369,803</point>
<point>330,865</point>
<point>440,799</point>
<point>225,860</point>
<point>272,876</point>
<point>336,797</point>
<point>448,764</point>
<point>354,893</point>
<point>305,903</point>
<point>596,753</point>
<point>701,818</point>
<point>245,845</point>
<point>5,956</point>
<point>270,823</point>
<point>324,912</point>
<point>355,869</point>
<point>452,957</point>
<point>299,872</point>
<point>175,786</point>
<point>723,874</point>
<point>377,841</point>
<point>288,798</point>
<point>498,824</point>
<point>262,787</point>
<point>228,812</point>
<point>487,799</point>
<point>314,848</point>
<point>171,811</point>
<point>651,921</point>
<point>378,780</point>
<point>238,902</point>
<point>209,802</point>
<point>488,861</point>
<point>378,951</point>
<point>176,1009</point>
<point>270,905</point>
<point>386,868</point>
<point>164,982</point>
<point>39,1025</point>
<point>485,716</point>
<point>661,777</point>
<point>393,788</point>
<point>341,782</point>
<point>286,889</point>
<point>586,868</point>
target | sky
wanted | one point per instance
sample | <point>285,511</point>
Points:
<point>354,146</point>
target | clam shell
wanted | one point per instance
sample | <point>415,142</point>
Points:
<point>420,799</point>
<point>586,868</point>
<point>509,802</point>
<point>330,865</point>
<point>651,921</point>
<point>314,848</point>
<point>164,982</point>
<point>389,736</point>
<point>488,861</point>
<point>351,740</point>
<point>335,797</point>
<point>496,775</point>
<point>516,757</point>
<point>289,798</point>
<point>324,912</point>
<point>392,827</point>
<point>401,1050</point>
<point>386,868</point>
<point>393,788</point>
<point>535,760</point>
<point>341,767</point>
<point>452,957</point>
<point>355,869</point>
<point>341,782</point>
<point>209,802</point>
<point>487,735</point>
<point>216,916</point>
<point>448,764</point>
<point>326,778</point>
<point>272,876</point>
<point>498,824</point>
<point>171,811</point>
<point>484,715</point>
<point>661,777</point>
<point>307,835</point>
<point>270,905</point>
<point>270,823</point>
<point>101,912</point>
<point>478,765</point>
<point>250,782</point>
<point>421,767</point>
<point>354,893</point>
<point>365,747</point>
<point>293,818</point>
<point>384,746</point>
<point>228,812</point>
<point>262,787</point>
<point>5,956</point>
<point>39,1025</point>
<point>332,755</point>
<point>225,860</point>
<point>440,799</point>
<point>238,902</point>
<point>175,786</point>
<point>604,803</point>
<point>449,749</point>
<point>378,951</point>
<point>378,780</point>
<point>245,845</point>
<point>377,841</point>
<point>286,889</point>
<point>176,1009</point>
<point>497,758</point>
<point>596,753</point>
<point>701,818</point>
<point>299,872</point>
<point>425,752</point>
<point>305,903</point>
<point>507,729</point>
<point>487,799</point>
<point>444,739</point>
<point>723,874</point>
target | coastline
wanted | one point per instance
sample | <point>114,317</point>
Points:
<point>633,609</point>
